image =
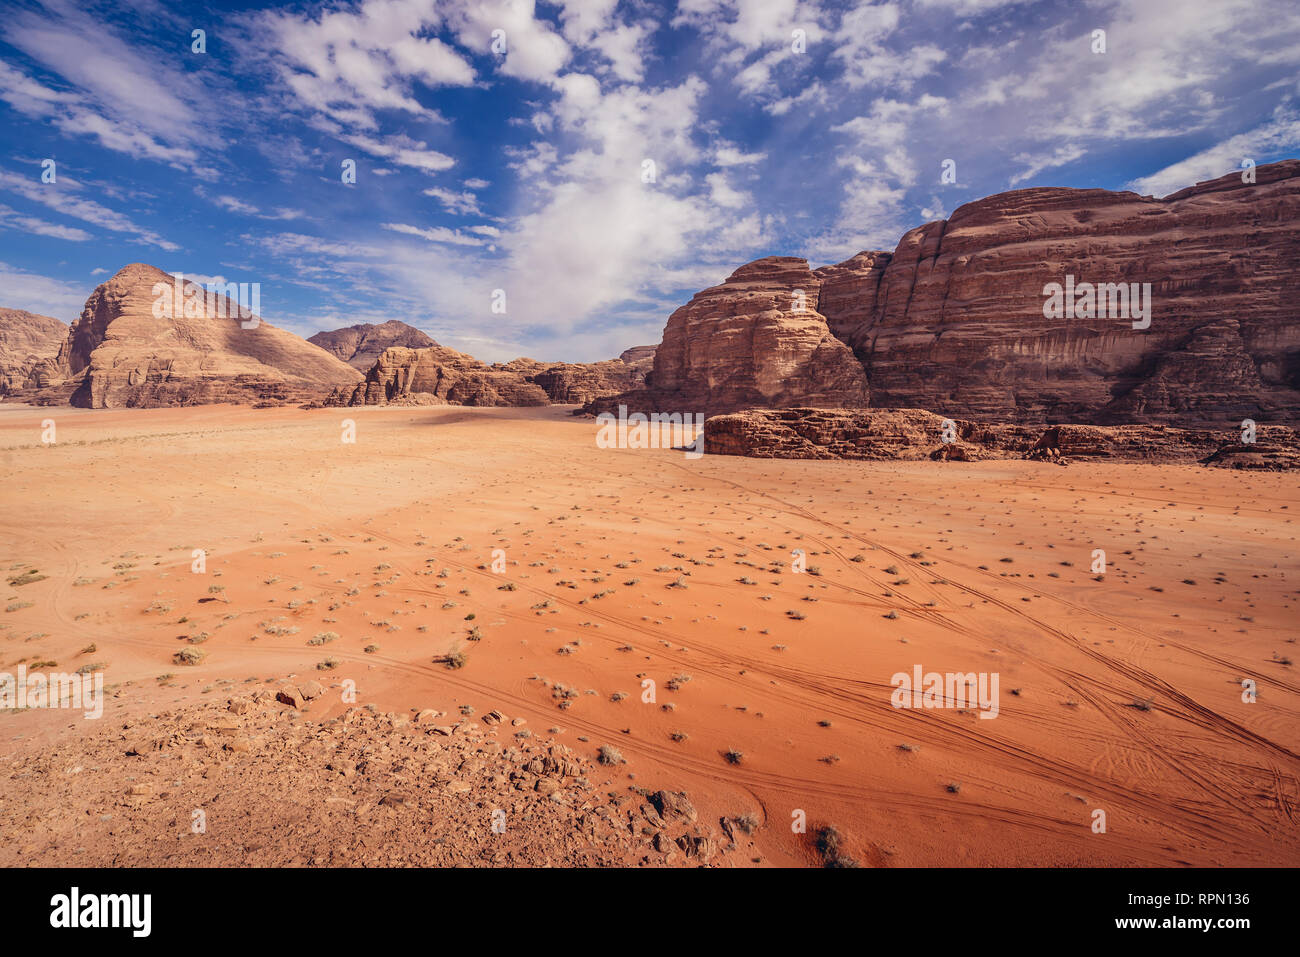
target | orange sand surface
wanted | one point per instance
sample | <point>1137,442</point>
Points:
<point>1120,692</point>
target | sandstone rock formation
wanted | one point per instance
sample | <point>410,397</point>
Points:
<point>120,354</point>
<point>953,319</point>
<point>360,345</point>
<point>436,375</point>
<point>577,382</point>
<point>914,434</point>
<point>642,361</point>
<point>27,341</point>
<point>756,340</point>
<point>870,434</point>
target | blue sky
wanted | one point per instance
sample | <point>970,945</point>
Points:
<point>523,169</point>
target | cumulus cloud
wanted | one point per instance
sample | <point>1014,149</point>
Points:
<point>352,63</point>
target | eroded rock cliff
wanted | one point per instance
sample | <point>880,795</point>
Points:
<point>915,434</point>
<point>953,319</point>
<point>28,342</point>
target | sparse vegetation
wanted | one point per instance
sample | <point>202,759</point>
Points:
<point>454,659</point>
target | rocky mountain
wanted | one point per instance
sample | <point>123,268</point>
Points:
<point>26,341</point>
<point>958,317</point>
<point>360,345</point>
<point>436,375</point>
<point>132,347</point>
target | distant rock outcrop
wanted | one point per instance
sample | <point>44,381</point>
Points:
<point>577,382</point>
<point>915,434</point>
<point>642,361</point>
<point>27,343</point>
<point>953,319</point>
<point>436,375</point>
<point>124,352</point>
<point>360,345</point>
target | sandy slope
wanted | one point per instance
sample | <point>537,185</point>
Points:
<point>389,542</point>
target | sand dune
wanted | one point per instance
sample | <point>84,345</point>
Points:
<point>1119,692</point>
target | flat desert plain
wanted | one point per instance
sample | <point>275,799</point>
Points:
<point>1119,693</point>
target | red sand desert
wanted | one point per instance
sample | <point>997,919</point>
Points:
<point>1120,692</point>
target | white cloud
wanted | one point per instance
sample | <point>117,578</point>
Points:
<point>1036,163</point>
<point>349,64</point>
<point>727,154</point>
<point>723,195</point>
<point>435,234</point>
<point>886,130</point>
<point>872,214</point>
<point>1280,135</point>
<point>59,197</point>
<point>814,93</point>
<point>860,44</point>
<point>534,51</point>
<point>140,106</point>
<point>462,204</point>
<point>236,205</point>
<point>969,8</point>
<point>403,151</point>
<point>42,295</point>
<point>12,219</point>
<point>624,46</point>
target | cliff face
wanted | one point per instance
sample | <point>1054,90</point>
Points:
<point>953,320</point>
<point>957,316</point>
<point>641,358</point>
<point>120,354</point>
<point>28,343</point>
<point>756,340</point>
<point>360,345</point>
